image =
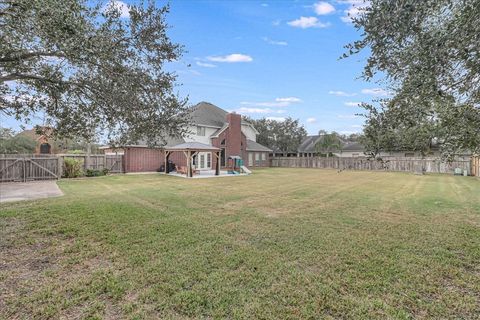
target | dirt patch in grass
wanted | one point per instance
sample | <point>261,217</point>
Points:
<point>32,268</point>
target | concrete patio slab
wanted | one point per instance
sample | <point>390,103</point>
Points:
<point>18,191</point>
<point>206,174</point>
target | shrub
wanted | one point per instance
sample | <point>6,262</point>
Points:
<point>72,168</point>
<point>96,173</point>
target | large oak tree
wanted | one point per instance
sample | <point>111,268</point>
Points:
<point>429,53</point>
<point>90,67</point>
<point>280,136</point>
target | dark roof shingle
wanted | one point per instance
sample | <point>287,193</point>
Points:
<point>208,114</point>
<point>255,146</point>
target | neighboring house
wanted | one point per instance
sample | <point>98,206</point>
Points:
<point>308,146</point>
<point>355,149</point>
<point>45,145</point>
<point>210,125</point>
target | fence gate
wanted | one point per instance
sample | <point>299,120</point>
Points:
<point>114,163</point>
<point>28,169</point>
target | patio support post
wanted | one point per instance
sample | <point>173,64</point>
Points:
<point>167,156</point>
<point>189,165</point>
<point>217,166</point>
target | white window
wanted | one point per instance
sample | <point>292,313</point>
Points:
<point>264,156</point>
<point>257,158</point>
<point>250,159</point>
<point>200,131</point>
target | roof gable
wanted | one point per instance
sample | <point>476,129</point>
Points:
<point>207,114</point>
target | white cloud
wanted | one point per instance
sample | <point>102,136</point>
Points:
<point>375,92</point>
<point>357,126</point>
<point>352,2</point>
<point>307,22</point>
<point>231,58</point>
<point>249,110</point>
<point>264,4</point>
<point>280,119</point>
<point>274,42</point>
<point>122,7</point>
<point>355,9</point>
<point>322,8</point>
<point>352,104</point>
<point>311,120</point>
<point>279,102</point>
<point>205,65</point>
<point>289,99</point>
<point>253,110</point>
<point>341,93</point>
<point>347,132</point>
<point>276,23</point>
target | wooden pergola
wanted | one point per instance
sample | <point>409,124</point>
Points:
<point>190,149</point>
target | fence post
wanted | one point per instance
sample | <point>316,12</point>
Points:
<point>24,170</point>
<point>60,168</point>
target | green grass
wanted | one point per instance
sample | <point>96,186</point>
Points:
<point>279,244</point>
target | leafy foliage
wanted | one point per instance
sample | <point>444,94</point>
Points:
<point>280,136</point>
<point>96,172</point>
<point>429,52</point>
<point>328,143</point>
<point>11,143</point>
<point>90,69</point>
<point>72,168</point>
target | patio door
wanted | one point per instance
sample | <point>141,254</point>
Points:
<point>204,161</point>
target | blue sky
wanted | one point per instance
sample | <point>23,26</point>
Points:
<point>271,59</point>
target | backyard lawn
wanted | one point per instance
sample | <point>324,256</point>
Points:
<point>278,244</point>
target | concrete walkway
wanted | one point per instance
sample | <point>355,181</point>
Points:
<point>18,191</point>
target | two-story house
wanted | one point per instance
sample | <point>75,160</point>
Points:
<point>212,126</point>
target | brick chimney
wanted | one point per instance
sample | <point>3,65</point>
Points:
<point>234,135</point>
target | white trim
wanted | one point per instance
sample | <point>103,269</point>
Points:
<point>221,130</point>
<point>205,125</point>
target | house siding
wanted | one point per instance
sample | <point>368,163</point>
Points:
<point>264,160</point>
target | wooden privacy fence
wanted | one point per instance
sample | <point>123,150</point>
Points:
<point>28,169</point>
<point>22,168</point>
<point>388,164</point>
<point>476,166</point>
<point>113,163</point>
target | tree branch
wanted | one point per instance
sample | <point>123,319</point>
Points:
<point>20,76</point>
<point>29,55</point>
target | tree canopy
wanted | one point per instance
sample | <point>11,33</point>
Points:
<point>12,143</point>
<point>90,67</point>
<point>429,53</point>
<point>328,142</point>
<point>280,136</point>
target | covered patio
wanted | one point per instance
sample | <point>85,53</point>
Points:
<point>191,149</point>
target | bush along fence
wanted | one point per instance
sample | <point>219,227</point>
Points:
<point>22,168</point>
<point>386,164</point>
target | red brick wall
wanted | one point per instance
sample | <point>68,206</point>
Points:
<point>261,162</point>
<point>234,134</point>
<point>235,140</point>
